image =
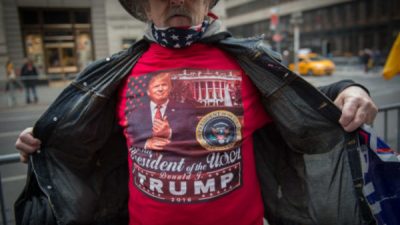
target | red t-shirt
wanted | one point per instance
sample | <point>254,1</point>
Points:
<point>198,168</point>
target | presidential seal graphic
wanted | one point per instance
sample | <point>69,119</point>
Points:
<point>219,130</point>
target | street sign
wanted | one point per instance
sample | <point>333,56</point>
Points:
<point>274,19</point>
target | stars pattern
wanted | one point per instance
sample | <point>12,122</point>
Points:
<point>136,93</point>
<point>179,37</point>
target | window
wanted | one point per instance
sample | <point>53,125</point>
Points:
<point>349,15</point>
<point>84,48</point>
<point>58,40</point>
<point>318,15</point>
<point>362,12</point>
<point>338,16</point>
<point>394,9</point>
<point>34,49</point>
<point>56,17</point>
<point>371,11</point>
<point>30,17</point>
<point>82,17</point>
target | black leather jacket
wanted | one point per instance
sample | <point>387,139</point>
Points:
<point>80,174</point>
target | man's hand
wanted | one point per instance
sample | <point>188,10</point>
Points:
<point>357,108</point>
<point>161,128</point>
<point>27,144</point>
<point>156,143</point>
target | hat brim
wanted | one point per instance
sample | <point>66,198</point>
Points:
<point>137,10</point>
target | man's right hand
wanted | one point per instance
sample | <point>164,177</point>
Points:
<point>27,144</point>
<point>156,143</point>
<point>161,128</point>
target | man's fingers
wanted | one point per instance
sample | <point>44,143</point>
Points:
<point>372,111</point>
<point>26,137</point>
<point>357,108</point>
<point>370,119</point>
<point>23,157</point>
<point>349,111</point>
<point>26,148</point>
<point>365,113</point>
<point>160,127</point>
<point>27,144</point>
<point>357,121</point>
<point>30,140</point>
<point>157,143</point>
<point>161,141</point>
<point>158,122</point>
<point>339,102</point>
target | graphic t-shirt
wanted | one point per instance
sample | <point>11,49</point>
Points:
<point>188,116</point>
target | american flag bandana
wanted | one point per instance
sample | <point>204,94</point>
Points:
<point>178,37</point>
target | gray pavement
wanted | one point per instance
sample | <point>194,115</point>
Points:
<point>46,94</point>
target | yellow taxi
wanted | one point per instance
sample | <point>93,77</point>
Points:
<point>314,64</point>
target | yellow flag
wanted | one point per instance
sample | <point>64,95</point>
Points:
<point>392,65</point>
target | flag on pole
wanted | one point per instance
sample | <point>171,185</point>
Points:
<point>392,65</point>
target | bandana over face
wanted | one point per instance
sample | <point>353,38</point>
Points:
<point>178,37</point>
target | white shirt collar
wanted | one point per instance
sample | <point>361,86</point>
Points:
<point>153,109</point>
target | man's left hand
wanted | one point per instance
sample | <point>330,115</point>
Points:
<point>357,108</point>
<point>161,128</point>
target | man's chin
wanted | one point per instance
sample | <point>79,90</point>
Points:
<point>179,21</point>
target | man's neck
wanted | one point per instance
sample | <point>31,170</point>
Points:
<point>154,104</point>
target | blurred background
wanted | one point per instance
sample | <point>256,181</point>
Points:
<point>323,40</point>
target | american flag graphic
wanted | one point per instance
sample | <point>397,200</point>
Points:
<point>381,173</point>
<point>137,92</point>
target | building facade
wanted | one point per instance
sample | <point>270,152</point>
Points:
<point>62,37</point>
<point>330,27</point>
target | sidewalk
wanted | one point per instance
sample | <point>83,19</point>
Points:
<point>46,95</point>
<point>357,70</point>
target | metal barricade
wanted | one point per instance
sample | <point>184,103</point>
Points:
<point>391,132</point>
<point>5,159</point>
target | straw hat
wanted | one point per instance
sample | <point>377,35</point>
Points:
<point>135,8</point>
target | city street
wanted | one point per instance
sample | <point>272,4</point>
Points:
<point>13,120</point>
<point>384,92</point>
<point>57,40</point>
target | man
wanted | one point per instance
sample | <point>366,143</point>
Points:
<point>158,122</point>
<point>79,174</point>
<point>12,83</point>
<point>29,75</point>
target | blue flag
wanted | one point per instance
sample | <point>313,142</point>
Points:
<point>381,173</point>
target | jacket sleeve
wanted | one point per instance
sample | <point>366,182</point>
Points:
<point>333,90</point>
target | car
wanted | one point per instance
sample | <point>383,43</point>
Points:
<point>314,64</point>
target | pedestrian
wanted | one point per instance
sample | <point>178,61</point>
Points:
<point>285,57</point>
<point>87,165</point>
<point>366,59</point>
<point>12,83</point>
<point>29,75</point>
